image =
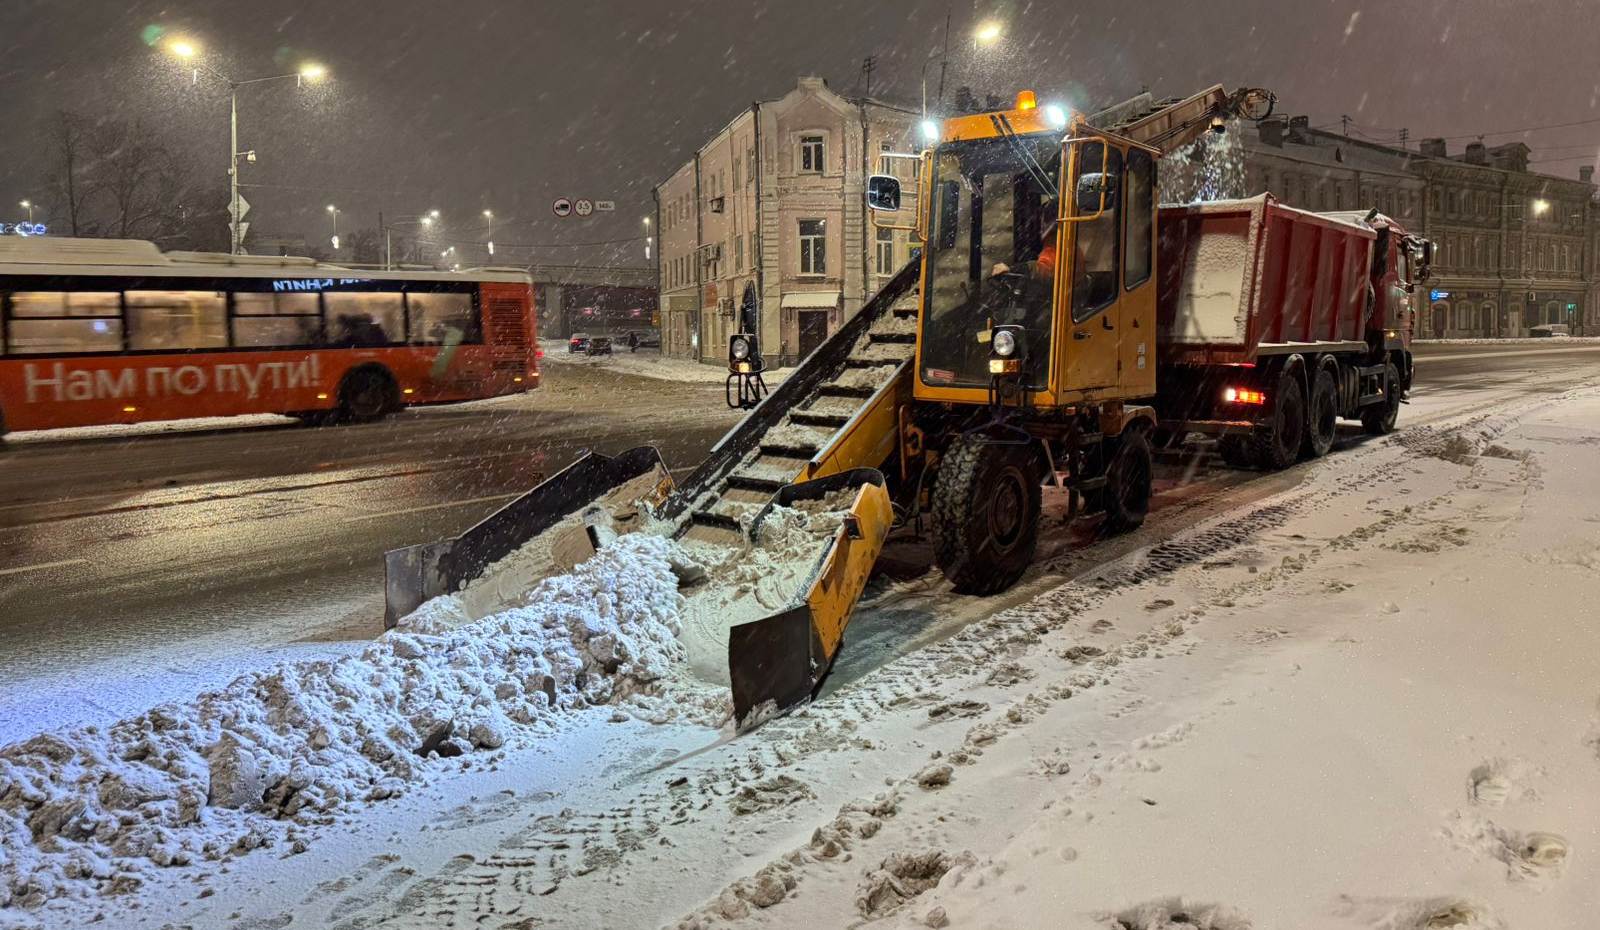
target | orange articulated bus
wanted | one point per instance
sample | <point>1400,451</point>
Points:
<point>97,331</point>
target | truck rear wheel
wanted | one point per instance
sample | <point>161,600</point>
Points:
<point>1128,482</point>
<point>1322,421</point>
<point>1279,446</point>
<point>1236,450</point>
<point>986,514</point>
<point>1379,419</point>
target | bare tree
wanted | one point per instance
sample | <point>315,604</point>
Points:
<point>69,187</point>
<point>136,180</point>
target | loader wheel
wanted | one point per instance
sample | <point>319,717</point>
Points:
<point>986,514</point>
<point>1279,447</point>
<point>1128,478</point>
<point>1379,419</point>
<point>1322,421</point>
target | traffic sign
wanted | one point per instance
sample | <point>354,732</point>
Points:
<point>605,206</point>
<point>562,206</point>
<point>584,207</point>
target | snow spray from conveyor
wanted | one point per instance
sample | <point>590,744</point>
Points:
<point>823,434</point>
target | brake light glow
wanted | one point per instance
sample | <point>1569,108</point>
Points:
<point>1233,395</point>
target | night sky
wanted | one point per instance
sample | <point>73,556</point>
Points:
<point>506,104</point>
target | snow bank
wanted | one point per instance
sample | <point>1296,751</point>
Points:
<point>89,809</point>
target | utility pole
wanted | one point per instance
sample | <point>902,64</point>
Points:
<point>1346,121</point>
<point>944,61</point>
<point>868,65</point>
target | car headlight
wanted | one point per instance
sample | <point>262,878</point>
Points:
<point>1005,343</point>
<point>740,348</point>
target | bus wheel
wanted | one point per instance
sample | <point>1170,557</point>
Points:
<point>986,514</point>
<point>1380,418</point>
<point>1128,482</point>
<point>367,394</point>
<point>1322,420</point>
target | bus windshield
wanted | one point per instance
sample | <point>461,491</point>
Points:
<point>992,212</point>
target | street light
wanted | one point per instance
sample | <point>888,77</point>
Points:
<point>1540,205</point>
<point>187,50</point>
<point>987,33</point>
<point>489,215</point>
<point>27,205</point>
<point>334,212</point>
<point>425,220</point>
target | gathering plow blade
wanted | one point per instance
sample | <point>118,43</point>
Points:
<point>779,661</point>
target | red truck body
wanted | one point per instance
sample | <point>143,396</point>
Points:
<point>1244,278</point>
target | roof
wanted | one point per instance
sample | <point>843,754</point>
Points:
<point>62,255</point>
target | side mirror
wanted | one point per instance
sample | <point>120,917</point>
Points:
<point>1094,188</point>
<point>883,192</point>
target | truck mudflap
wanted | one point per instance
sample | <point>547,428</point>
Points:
<point>778,662</point>
<point>417,573</point>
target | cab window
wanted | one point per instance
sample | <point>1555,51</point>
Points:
<point>1095,257</point>
<point>1141,206</point>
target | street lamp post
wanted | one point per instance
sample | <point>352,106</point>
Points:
<point>425,220</point>
<point>649,239</point>
<point>188,51</point>
<point>334,212</point>
<point>489,237</point>
<point>987,33</point>
<point>27,205</point>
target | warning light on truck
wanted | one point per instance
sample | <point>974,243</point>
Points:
<point>1233,395</point>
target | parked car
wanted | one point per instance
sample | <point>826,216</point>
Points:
<point>578,343</point>
<point>1550,331</point>
<point>598,345</point>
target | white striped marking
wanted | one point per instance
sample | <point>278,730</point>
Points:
<point>396,513</point>
<point>42,566</point>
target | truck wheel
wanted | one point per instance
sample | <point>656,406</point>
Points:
<point>1128,480</point>
<point>1380,418</point>
<point>1279,447</point>
<point>986,514</point>
<point>1322,420</point>
<point>367,394</point>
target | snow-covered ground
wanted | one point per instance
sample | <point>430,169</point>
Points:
<point>646,363</point>
<point>1364,701</point>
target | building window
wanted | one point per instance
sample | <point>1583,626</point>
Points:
<point>738,253</point>
<point>885,163</point>
<point>813,246</point>
<point>811,152</point>
<point>885,251</point>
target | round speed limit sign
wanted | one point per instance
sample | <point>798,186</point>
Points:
<point>585,207</point>
<point>561,207</point>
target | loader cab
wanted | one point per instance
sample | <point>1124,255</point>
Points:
<point>1047,232</point>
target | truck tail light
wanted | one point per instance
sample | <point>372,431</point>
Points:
<point>538,353</point>
<point>1233,395</point>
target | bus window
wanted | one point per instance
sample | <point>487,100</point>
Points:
<point>177,320</point>
<point>442,318</point>
<point>49,322</point>
<point>264,320</point>
<point>364,319</point>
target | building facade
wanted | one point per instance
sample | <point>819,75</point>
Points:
<point>1514,249</point>
<point>765,228</point>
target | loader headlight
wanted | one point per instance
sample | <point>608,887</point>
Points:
<point>1005,343</point>
<point>740,349</point>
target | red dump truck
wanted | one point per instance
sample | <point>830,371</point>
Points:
<point>1275,323</point>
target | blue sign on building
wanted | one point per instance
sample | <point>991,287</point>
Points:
<point>1437,294</point>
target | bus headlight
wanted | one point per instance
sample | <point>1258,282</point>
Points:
<point>1005,343</point>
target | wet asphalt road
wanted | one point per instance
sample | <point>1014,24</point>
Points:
<point>275,533</point>
<point>147,551</point>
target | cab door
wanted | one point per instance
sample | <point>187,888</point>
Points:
<point>1088,294</point>
<point>1137,306</point>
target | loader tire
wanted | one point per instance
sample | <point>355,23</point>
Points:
<point>1379,419</point>
<point>1279,446</point>
<point>986,514</point>
<point>1129,474</point>
<point>1322,419</point>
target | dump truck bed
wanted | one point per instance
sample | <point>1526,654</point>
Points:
<point>1247,278</point>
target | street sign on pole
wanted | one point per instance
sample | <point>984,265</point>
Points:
<point>605,206</point>
<point>584,207</point>
<point>562,206</point>
<point>244,207</point>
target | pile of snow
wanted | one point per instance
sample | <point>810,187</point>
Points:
<point>245,767</point>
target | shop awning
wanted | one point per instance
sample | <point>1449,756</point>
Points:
<point>811,300</point>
